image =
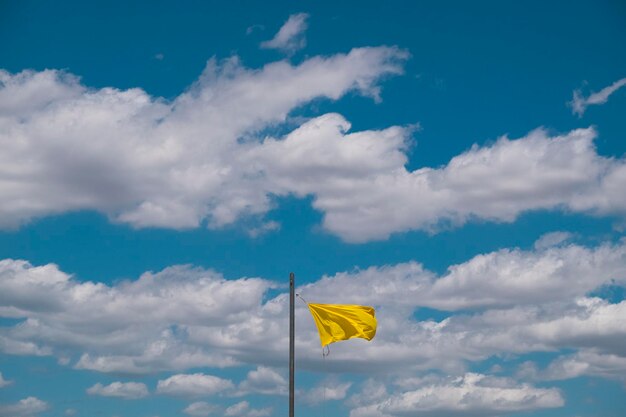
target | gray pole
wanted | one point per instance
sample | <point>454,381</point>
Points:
<point>292,328</point>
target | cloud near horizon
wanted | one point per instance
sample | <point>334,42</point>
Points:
<point>506,302</point>
<point>193,385</point>
<point>27,407</point>
<point>509,301</point>
<point>125,390</point>
<point>468,395</point>
<point>200,409</point>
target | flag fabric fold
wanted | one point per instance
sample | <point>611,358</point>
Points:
<point>337,322</point>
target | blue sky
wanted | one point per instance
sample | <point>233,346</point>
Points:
<point>164,166</point>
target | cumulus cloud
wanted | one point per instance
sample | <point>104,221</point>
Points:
<point>580,103</point>
<point>128,327</point>
<point>469,395</point>
<point>125,390</point>
<point>146,161</point>
<point>506,277</point>
<point>404,344</point>
<point>26,407</point>
<point>329,390</point>
<point>496,183</point>
<point>372,391</point>
<point>15,347</point>
<point>193,385</point>
<point>586,362</point>
<point>243,409</point>
<point>200,409</point>
<point>27,91</point>
<point>505,301</point>
<point>205,158</point>
<point>290,36</point>
<point>263,380</point>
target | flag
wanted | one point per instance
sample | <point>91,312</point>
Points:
<point>337,322</point>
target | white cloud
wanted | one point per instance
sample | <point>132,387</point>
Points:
<point>524,302</point>
<point>259,412</point>
<point>204,158</point>
<point>237,409</point>
<point>180,318</point>
<point>470,395</point>
<point>26,407</point>
<point>507,277</point>
<point>148,162</point>
<point>242,409</point>
<point>200,409</point>
<point>125,328</point>
<point>552,239</point>
<point>264,228</point>
<point>26,92</point>
<point>15,347</point>
<point>193,385</point>
<point>403,344</point>
<point>126,390</point>
<point>4,382</point>
<point>586,362</point>
<point>589,322</point>
<point>495,183</point>
<point>290,36</point>
<point>263,380</point>
<point>329,390</point>
<point>579,103</point>
<point>372,391</point>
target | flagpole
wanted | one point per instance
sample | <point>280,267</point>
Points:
<point>292,328</point>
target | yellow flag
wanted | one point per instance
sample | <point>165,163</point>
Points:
<point>337,322</point>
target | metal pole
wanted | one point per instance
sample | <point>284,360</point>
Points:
<point>292,328</point>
